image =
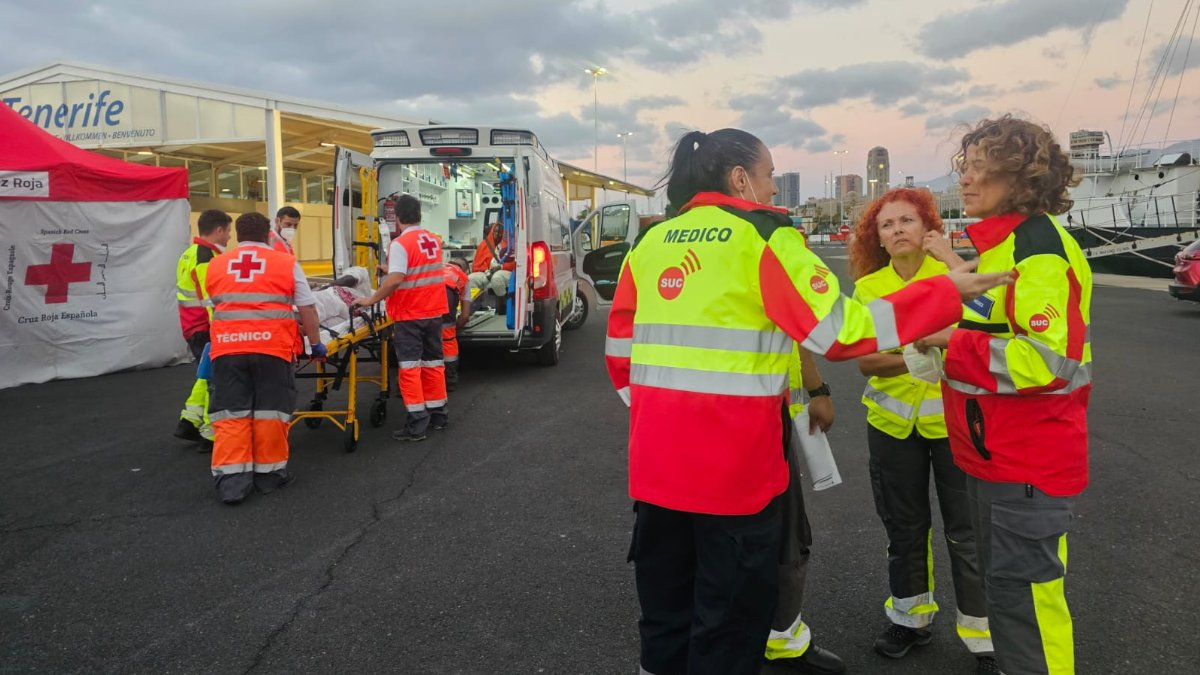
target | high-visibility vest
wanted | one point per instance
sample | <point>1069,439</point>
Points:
<point>1019,368</point>
<point>280,244</point>
<point>253,290</point>
<point>897,405</point>
<point>700,337</point>
<point>190,274</point>
<point>422,294</point>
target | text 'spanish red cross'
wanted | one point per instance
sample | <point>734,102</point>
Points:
<point>59,274</point>
<point>428,244</point>
<point>247,266</point>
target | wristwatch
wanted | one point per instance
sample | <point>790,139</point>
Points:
<point>822,390</point>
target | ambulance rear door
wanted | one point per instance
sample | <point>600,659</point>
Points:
<point>356,236</point>
<point>601,244</point>
<point>522,305</point>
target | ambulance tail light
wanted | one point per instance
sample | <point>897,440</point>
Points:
<point>542,271</point>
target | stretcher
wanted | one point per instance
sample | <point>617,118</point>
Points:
<point>364,340</point>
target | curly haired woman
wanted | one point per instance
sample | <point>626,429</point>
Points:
<point>1017,381</point>
<point>899,241</point>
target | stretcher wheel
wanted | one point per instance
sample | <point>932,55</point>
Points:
<point>378,412</point>
<point>314,422</point>
<point>350,437</point>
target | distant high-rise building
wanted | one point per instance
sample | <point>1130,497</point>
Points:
<point>777,200</point>
<point>851,184</point>
<point>878,170</point>
<point>788,186</point>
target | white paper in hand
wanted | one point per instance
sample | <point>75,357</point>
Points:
<point>927,366</point>
<point>822,468</point>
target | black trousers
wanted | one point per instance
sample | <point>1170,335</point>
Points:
<point>196,343</point>
<point>707,587</point>
<point>900,469</point>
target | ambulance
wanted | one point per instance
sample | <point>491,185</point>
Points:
<point>467,178</point>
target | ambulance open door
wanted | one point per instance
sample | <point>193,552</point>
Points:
<point>515,217</point>
<point>358,240</point>
<point>601,244</point>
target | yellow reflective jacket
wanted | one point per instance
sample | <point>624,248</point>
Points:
<point>897,405</point>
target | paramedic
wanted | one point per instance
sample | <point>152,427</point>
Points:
<point>699,338</point>
<point>416,300</point>
<point>458,305</point>
<point>213,227</point>
<point>283,234</point>
<point>906,437</point>
<point>1018,378</point>
<point>253,289</point>
<point>790,642</point>
<point>487,270</point>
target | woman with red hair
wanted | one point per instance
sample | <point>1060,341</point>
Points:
<point>898,241</point>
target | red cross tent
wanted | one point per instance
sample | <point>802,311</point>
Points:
<point>88,248</point>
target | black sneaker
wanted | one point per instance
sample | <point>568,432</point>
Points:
<point>986,665</point>
<point>814,661</point>
<point>187,431</point>
<point>897,640</point>
<point>406,435</point>
<point>438,424</point>
<point>205,446</point>
<point>266,483</point>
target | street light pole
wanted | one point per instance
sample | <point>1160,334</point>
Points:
<point>624,157</point>
<point>596,74</point>
<point>841,174</point>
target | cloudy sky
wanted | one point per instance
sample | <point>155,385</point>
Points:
<point>807,76</point>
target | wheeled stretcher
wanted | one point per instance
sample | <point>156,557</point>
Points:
<point>364,339</point>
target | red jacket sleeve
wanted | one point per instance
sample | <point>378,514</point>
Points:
<point>618,346</point>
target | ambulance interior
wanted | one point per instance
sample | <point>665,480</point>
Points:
<point>459,199</point>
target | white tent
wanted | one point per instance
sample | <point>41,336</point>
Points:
<point>88,247</point>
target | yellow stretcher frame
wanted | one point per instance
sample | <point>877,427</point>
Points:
<point>344,351</point>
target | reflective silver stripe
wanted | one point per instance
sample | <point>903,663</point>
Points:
<point>226,469</point>
<point>975,633</point>
<point>229,415</point>
<point>965,388</point>
<point>272,415</point>
<point>1082,378</point>
<point>888,402</point>
<point>886,334</point>
<point>253,297</point>
<point>416,407</point>
<point>623,393</point>
<point>713,337</point>
<point>239,314</point>
<point>190,303</point>
<point>707,381</point>
<point>410,364</point>
<point>428,281</point>
<point>422,269</point>
<point>432,364</point>
<point>931,406</point>
<point>187,292</point>
<point>821,338</point>
<point>452,359</point>
<point>436,403</point>
<point>796,396</point>
<point>621,348</point>
<point>902,613</point>
<point>1075,373</point>
<point>268,468</point>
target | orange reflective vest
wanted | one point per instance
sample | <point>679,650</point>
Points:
<point>252,290</point>
<point>1019,366</point>
<point>422,294</point>
<point>700,340</point>
<point>280,244</point>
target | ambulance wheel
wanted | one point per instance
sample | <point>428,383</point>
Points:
<point>350,437</point>
<point>579,313</point>
<point>314,422</point>
<point>378,412</point>
<point>548,354</point>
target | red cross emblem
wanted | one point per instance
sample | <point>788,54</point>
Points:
<point>59,273</point>
<point>247,266</point>
<point>427,244</point>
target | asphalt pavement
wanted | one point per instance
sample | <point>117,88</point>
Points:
<point>498,545</point>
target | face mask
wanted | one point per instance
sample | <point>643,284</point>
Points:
<point>288,233</point>
<point>742,193</point>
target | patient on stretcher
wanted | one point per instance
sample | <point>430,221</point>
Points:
<point>334,302</point>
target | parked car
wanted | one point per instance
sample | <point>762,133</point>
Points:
<point>1187,273</point>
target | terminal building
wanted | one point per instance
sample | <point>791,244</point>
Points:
<point>244,150</point>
